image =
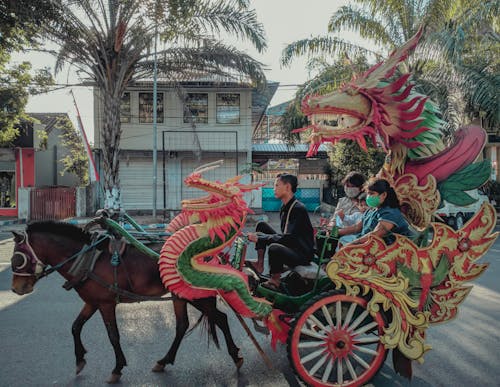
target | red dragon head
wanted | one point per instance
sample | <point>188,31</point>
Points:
<point>224,206</point>
<point>386,111</point>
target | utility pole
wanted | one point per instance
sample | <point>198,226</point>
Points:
<point>155,118</point>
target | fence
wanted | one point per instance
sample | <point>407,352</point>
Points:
<point>52,203</point>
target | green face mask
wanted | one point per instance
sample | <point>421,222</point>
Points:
<point>373,200</point>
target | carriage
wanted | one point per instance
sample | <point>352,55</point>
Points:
<point>367,300</point>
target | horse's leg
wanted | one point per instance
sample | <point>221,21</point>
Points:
<point>208,306</point>
<point>181,326</point>
<point>85,314</point>
<point>108,312</point>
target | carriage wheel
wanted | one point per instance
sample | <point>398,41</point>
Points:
<point>336,342</point>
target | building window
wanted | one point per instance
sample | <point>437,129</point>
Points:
<point>125,108</point>
<point>228,108</point>
<point>196,108</point>
<point>146,108</point>
<point>7,189</point>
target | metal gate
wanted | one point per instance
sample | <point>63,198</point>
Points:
<point>52,203</point>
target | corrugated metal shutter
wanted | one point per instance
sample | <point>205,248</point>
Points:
<point>136,181</point>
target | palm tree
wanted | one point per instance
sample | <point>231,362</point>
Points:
<point>111,42</point>
<point>439,68</point>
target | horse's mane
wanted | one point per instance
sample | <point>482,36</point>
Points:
<point>59,228</point>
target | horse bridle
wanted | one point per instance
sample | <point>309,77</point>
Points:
<point>24,250</point>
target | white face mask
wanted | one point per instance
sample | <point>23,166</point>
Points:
<point>351,192</point>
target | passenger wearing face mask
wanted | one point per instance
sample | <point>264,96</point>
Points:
<point>348,205</point>
<point>383,218</point>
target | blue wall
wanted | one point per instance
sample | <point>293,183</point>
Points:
<point>309,196</point>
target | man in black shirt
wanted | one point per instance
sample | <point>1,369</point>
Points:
<point>295,244</point>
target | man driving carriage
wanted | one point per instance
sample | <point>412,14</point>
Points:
<point>295,244</point>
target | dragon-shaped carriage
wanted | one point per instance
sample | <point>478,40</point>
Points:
<point>370,298</point>
<point>374,297</point>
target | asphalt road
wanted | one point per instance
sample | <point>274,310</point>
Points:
<point>36,346</point>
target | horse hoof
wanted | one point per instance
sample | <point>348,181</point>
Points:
<point>239,363</point>
<point>80,365</point>
<point>113,379</point>
<point>158,368</point>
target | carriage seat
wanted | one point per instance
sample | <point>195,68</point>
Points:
<point>309,271</point>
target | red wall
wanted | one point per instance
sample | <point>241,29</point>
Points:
<point>27,173</point>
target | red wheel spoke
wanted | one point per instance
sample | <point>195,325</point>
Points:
<point>366,350</point>
<point>367,340</point>
<point>340,371</point>
<point>318,323</point>
<point>312,355</point>
<point>350,313</point>
<point>360,361</point>
<point>311,333</point>
<point>358,321</point>
<point>318,364</point>
<point>338,314</point>
<point>352,373</point>
<point>310,344</point>
<point>365,328</point>
<point>327,315</point>
<point>328,371</point>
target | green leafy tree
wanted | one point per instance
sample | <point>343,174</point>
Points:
<point>76,160</point>
<point>17,83</point>
<point>20,27</point>
<point>347,156</point>
<point>21,22</point>
<point>112,41</point>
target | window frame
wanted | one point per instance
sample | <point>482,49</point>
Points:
<point>195,117</point>
<point>126,113</point>
<point>160,109</point>
<point>217,111</point>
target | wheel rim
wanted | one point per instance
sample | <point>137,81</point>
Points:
<point>336,342</point>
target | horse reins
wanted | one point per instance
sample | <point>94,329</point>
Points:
<point>38,263</point>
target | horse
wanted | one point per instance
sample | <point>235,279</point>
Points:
<point>49,246</point>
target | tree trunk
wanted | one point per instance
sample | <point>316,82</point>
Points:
<point>111,133</point>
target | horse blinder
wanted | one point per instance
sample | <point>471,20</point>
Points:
<point>23,254</point>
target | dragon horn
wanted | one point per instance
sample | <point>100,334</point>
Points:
<point>385,69</point>
<point>207,167</point>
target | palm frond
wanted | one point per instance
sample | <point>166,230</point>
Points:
<point>212,58</point>
<point>358,20</point>
<point>321,45</point>
<point>215,17</point>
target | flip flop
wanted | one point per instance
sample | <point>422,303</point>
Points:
<point>270,286</point>
<point>251,266</point>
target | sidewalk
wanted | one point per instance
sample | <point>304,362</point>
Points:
<point>7,221</point>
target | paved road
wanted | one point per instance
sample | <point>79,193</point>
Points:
<point>37,349</point>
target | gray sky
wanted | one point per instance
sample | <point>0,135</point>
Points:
<point>284,21</point>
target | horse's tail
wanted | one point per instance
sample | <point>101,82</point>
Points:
<point>209,326</point>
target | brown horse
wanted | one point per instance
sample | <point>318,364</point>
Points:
<point>50,246</point>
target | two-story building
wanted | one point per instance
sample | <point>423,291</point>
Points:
<point>204,122</point>
<point>33,161</point>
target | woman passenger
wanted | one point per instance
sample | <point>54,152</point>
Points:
<point>383,217</point>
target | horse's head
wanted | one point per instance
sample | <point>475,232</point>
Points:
<point>26,266</point>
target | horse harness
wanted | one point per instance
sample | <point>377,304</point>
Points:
<point>83,265</point>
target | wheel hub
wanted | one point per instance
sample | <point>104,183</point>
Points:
<point>339,343</point>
